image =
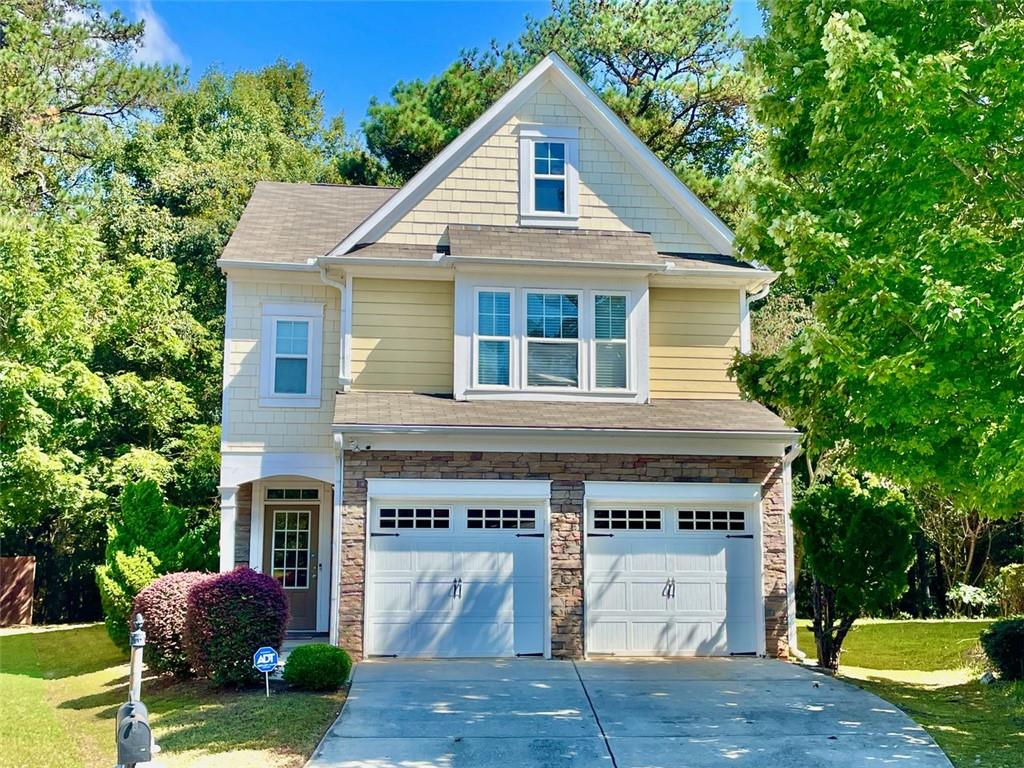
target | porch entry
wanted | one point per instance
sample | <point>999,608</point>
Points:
<point>290,549</point>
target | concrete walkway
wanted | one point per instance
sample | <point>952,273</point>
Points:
<point>530,713</point>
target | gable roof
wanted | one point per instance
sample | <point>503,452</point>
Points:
<point>294,223</point>
<point>550,69</point>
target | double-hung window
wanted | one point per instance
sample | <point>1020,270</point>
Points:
<point>611,355</point>
<point>552,339</point>
<point>494,338</point>
<point>291,341</point>
<point>549,176</point>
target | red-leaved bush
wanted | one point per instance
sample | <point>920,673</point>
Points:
<point>230,616</point>
<point>163,605</point>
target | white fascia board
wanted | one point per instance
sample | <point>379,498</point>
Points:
<point>672,493</point>
<point>438,169</point>
<point>370,429</point>
<point>276,266</point>
<point>650,165</point>
<point>451,490</point>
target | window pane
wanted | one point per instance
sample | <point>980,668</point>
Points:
<point>549,195</point>
<point>552,316</point>
<point>290,376</point>
<point>611,365</point>
<point>493,313</point>
<point>556,150</point>
<point>552,365</point>
<point>492,363</point>
<point>610,317</point>
<point>292,337</point>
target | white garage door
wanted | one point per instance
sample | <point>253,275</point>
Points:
<point>457,579</point>
<point>671,581</point>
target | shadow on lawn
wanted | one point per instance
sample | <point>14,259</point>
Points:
<point>59,653</point>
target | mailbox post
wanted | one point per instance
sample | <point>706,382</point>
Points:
<point>133,735</point>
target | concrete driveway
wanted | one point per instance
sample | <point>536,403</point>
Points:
<point>530,713</point>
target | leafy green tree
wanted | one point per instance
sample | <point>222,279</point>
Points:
<point>858,544</point>
<point>67,83</point>
<point>669,68</point>
<point>146,538</point>
<point>888,188</point>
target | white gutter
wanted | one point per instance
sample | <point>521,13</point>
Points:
<point>449,429</point>
<point>343,374</point>
<point>337,520</point>
<point>787,503</point>
<point>291,266</point>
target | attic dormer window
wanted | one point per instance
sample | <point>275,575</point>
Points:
<point>549,179</point>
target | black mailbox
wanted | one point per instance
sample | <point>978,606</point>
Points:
<point>134,737</point>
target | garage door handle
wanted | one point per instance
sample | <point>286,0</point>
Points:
<point>600,535</point>
<point>739,535</point>
<point>374,533</point>
<point>529,535</point>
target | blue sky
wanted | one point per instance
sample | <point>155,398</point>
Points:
<point>355,50</point>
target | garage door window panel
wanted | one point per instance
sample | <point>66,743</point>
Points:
<point>626,520</point>
<point>494,518</point>
<point>712,520</point>
<point>418,518</point>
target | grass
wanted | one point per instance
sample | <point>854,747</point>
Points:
<point>929,669</point>
<point>63,687</point>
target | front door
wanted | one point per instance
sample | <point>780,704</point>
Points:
<point>290,549</point>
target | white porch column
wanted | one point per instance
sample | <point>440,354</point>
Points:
<point>228,515</point>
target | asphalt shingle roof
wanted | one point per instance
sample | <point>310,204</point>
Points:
<point>292,223</point>
<point>354,409</point>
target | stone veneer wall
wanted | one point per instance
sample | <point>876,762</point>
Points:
<point>567,472</point>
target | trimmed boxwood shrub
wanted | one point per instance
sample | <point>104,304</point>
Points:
<point>317,667</point>
<point>1003,642</point>
<point>230,616</point>
<point>164,605</point>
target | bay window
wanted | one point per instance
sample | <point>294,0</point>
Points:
<point>552,340</point>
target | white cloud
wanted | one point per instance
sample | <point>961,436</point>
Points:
<point>157,45</point>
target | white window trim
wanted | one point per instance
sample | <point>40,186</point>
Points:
<point>582,363</point>
<point>466,382</point>
<point>627,341</point>
<point>513,362</point>
<point>528,215</point>
<point>306,312</point>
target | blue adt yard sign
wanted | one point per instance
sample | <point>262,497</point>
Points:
<point>265,660</point>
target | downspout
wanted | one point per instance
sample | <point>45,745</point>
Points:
<point>337,520</point>
<point>343,376</point>
<point>791,455</point>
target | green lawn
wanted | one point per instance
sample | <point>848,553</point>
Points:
<point>981,726</point>
<point>62,688</point>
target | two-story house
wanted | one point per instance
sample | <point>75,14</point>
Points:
<point>488,413</point>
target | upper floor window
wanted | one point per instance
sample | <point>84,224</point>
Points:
<point>549,179</point>
<point>291,340</point>
<point>547,339</point>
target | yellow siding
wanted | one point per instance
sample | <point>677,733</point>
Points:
<point>694,333</point>
<point>402,335</point>
<point>613,195</point>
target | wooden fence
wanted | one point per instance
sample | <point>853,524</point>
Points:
<point>17,577</point>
